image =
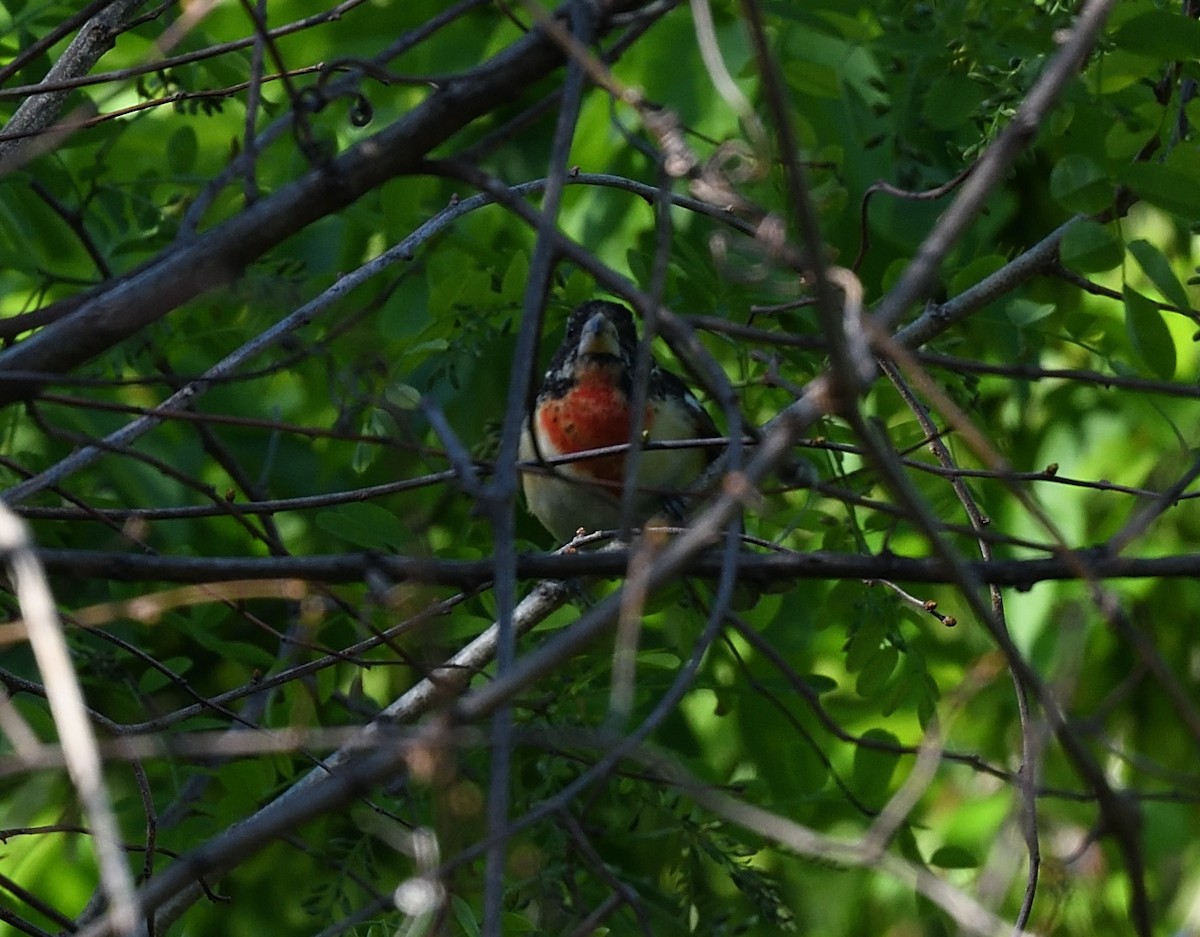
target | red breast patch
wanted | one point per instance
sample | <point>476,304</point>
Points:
<point>592,415</point>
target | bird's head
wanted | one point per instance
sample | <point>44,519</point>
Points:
<point>601,337</point>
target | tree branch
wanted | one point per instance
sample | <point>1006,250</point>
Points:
<point>120,309</point>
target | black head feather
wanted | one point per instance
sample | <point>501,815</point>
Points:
<point>568,356</point>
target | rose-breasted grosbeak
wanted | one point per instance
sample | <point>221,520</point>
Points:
<point>584,403</point>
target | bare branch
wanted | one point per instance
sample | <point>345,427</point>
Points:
<point>77,740</point>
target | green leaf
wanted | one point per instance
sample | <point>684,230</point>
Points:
<point>403,396</point>
<point>877,670</point>
<point>1149,335</point>
<point>1166,187</point>
<point>241,780</point>
<point>1090,248</point>
<point>639,265</point>
<point>512,288</point>
<point>1158,269</point>
<point>458,281</point>
<point>813,78</point>
<point>376,422</point>
<point>951,101</point>
<point>240,651</point>
<point>906,844</point>
<point>1022,312</point>
<point>465,916</point>
<point>578,288</point>
<point>663,660</point>
<point>1165,36</point>
<point>517,923</point>
<point>954,857</point>
<point>1079,184</point>
<point>820,683</point>
<point>863,644</point>
<point>788,767</point>
<point>182,150</point>
<point>873,768</point>
<point>1123,142</point>
<point>1120,70</point>
<point>436,345</point>
<point>154,679</point>
<point>406,314</point>
<point>364,525</point>
<point>856,29</point>
<point>327,680</point>
<point>974,271</point>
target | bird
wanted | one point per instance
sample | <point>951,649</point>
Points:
<point>584,403</point>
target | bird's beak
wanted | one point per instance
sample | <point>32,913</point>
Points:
<point>599,337</point>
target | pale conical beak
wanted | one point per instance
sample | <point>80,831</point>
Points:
<point>599,337</point>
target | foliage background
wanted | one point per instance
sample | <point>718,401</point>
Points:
<point>813,700</point>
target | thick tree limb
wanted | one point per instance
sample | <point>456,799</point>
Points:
<point>774,567</point>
